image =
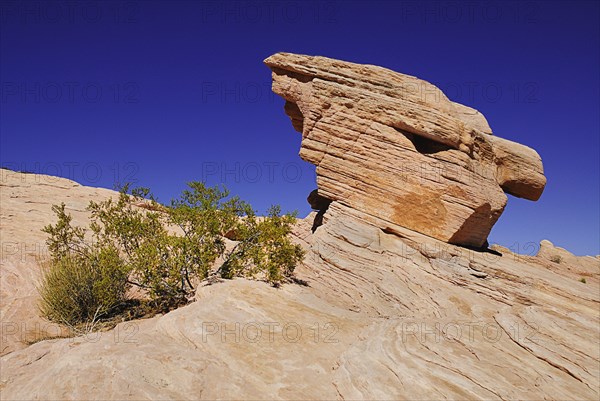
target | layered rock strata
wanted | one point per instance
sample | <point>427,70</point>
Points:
<point>395,147</point>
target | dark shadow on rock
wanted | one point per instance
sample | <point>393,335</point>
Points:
<point>320,204</point>
<point>318,221</point>
<point>485,248</point>
<point>299,281</point>
<point>477,225</point>
<point>424,145</point>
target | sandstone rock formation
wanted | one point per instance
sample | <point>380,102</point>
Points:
<point>389,310</point>
<point>386,314</point>
<point>395,148</point>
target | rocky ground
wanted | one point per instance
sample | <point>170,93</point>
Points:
<point>383,315</point>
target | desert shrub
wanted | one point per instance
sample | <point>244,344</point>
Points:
<point>143,242</point>
<point>556,259</point>
<point>161,249</point>
<point>264,247</point>
<point>583,280</point>
<point>81,283</point>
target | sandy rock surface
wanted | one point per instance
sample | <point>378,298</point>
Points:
<point>386,313</point>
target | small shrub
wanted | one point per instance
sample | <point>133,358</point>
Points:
<point>556,259</point>
<point>583,280</point>
<point>81,288</point>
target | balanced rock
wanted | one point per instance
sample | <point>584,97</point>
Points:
<point>395,148</point>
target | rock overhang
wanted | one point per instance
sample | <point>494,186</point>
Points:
<point>395,147</point>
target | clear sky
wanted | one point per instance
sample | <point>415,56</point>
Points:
<point>162,93</point>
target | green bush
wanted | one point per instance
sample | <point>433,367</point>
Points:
<point>163,250</point>
<point>82,283</point>
<point>264,247</point>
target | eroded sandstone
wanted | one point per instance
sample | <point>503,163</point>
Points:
<point>395,147</point>
<point>384,314</point>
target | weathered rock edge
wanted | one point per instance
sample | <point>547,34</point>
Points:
<point>396,148</point>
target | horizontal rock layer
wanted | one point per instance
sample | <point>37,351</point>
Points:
<point>394,147</point>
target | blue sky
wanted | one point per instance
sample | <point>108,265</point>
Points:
<point>162,93</point>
